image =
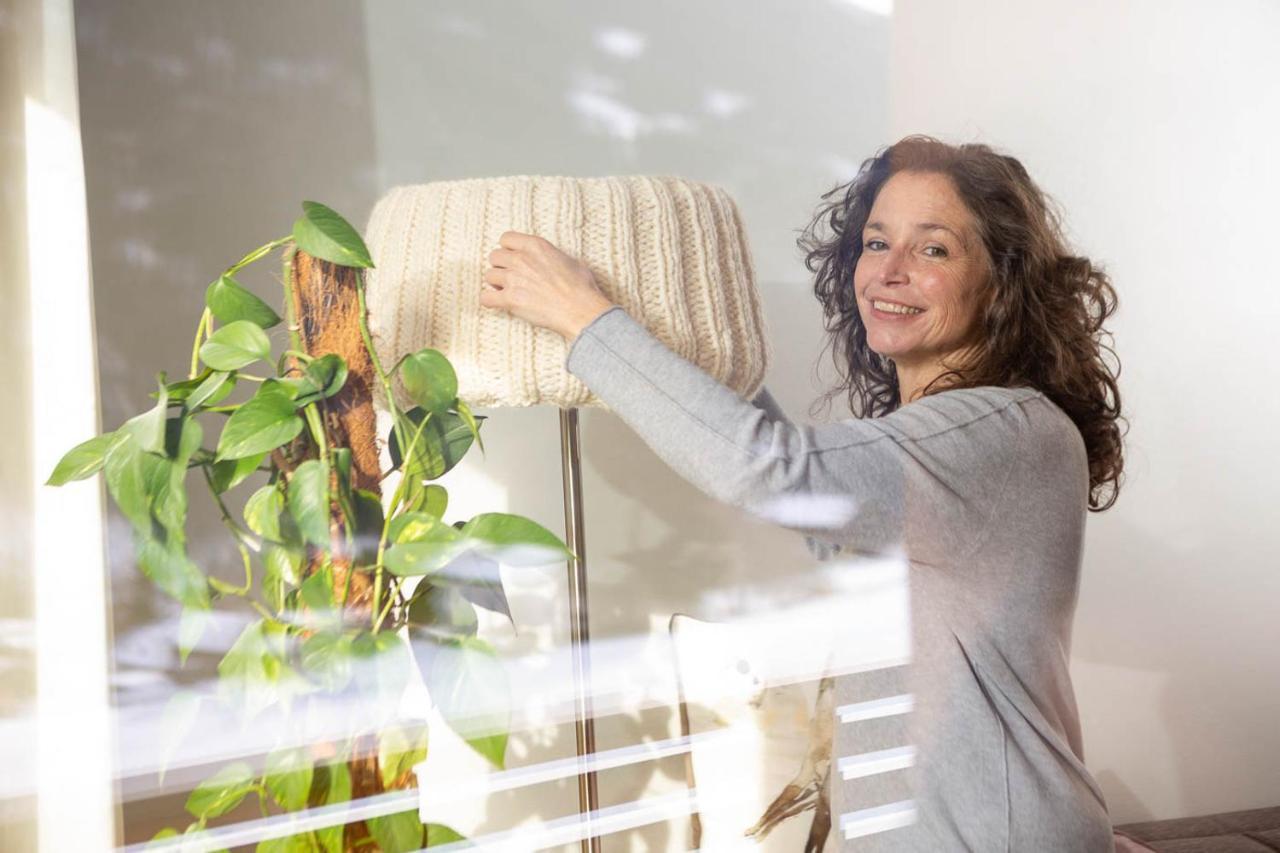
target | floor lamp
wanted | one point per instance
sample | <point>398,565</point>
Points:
<point>672,252</point>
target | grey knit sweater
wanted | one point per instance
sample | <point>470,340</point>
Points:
<point>985,490</point>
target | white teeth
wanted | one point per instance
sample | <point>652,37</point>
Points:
<point>895,308</point>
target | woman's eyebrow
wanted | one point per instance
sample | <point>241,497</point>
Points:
<point>921,226</point>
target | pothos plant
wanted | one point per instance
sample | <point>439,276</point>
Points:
<point>334,580</point>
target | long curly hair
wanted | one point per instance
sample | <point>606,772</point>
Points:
<point>1041,322</point>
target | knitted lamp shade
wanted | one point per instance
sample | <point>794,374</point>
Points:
<point>672,252</point>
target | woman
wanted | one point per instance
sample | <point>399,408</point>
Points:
<point>968,338</point>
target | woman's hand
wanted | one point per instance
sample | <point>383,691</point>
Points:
<point>533,280</point>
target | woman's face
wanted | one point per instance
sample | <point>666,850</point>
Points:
<point>920,249</point>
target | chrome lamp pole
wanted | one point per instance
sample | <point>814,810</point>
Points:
<point>579,619</point>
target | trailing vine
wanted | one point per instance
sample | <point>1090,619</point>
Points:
<point>303,537</point>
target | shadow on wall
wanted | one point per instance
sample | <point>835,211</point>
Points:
<point>1192,749</point>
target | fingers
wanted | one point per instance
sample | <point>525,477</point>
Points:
<point>497,275</point>
<point>493,292</point>
<point>519,241</point>
<point>493,297</point>
<point>505,258</point>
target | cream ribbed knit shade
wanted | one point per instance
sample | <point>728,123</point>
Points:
<point>672,252</point>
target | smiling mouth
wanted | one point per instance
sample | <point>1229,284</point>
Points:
<point>895,308</point>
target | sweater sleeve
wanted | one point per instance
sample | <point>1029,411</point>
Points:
<point>926,470</point>
<point>822,549</point>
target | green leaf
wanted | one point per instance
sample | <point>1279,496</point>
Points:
<point>419,527</point>
<point>492,747</point>
<point>442,611</point>
<point>176,722</point>
<point>369,520</point>
<point>438,834</point>
<point>423,544</point>
<point>282,568</point>
<point>288,777</point>
<point>430,380</point>
<point>470,688</point>
<point>400,747</point>
<point>327,658</point>
<point>478,579</point>
<point>262,512</point>
<point>330,839</point>
<point>339,784</point>
<point>165,477</point>
<point>230,302</point>
<point>335,780</point>
<point>169,568</point>
<point>191,627</point>
<point>213,390</point>
<point>322,233</point>
<point>123,472</point>
<point>515,540</point>
<point>178,392</point>
<point>83,460</point>
<point>221,792</point>
<point>287,386</point>
<point>299,842</point>
<point>261,424</point>
<point>230,473</point>
<point>236,345</point>
<point>397,833</point>
<point>148,427</point>
<point>472,421</point>
<point>323,377</point>
<point>431,498</point>
<point>445,439</point>
<point>309,501</point>
<point>164,834</point>
<point>381,665</point>
<point>249,673</point>
<point>317,595</point>
<point>343,494</point>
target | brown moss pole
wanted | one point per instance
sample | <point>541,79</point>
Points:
<point>326,305</point>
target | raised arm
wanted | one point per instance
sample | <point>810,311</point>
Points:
<point>822,548</point>
<point>930,469</point>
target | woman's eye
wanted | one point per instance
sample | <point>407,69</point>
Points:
<point>940,252</point>
<point>874,245</point>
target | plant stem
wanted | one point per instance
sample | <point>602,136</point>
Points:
<point>390,599</point>
<point>257,253</point>
<point>266,614</point>
<point>240,591</point>
<point>374,360</point>
<point>206,319</point>
<point>317,432</point>
<point>262,799</point>
<point>346,588</point>
<point>386,522</point>
<point>290,320</point>
<point>240,533</point>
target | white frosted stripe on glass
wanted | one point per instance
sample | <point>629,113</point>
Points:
<point>878,819</point>
<point>881,761</point>
<point>467,786</point>
<point>574,828</point>
<point>889,706</point>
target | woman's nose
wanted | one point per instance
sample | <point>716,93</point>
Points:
<point>893,267</point>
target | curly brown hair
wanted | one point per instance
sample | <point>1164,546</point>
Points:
<point>1041,324</point>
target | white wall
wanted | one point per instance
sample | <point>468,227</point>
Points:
<point>1154,123</point>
